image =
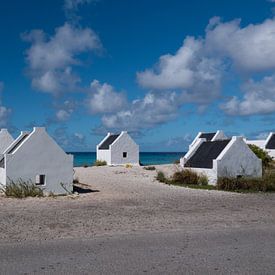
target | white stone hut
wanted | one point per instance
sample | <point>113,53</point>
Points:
<point>5,140</point>
<point>118,149</point>
<point>267,144</point>
<point>222,158</point>
<point>209,136</point>
<point>35,157</point>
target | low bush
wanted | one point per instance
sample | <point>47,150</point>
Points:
<point>161,177</point>
<point>150,168</point>
<point>22,189</point>
<point>203,180</point>
<point>185,177</point>
<point>100,163</point>
<point>177,161</point>
<point>128,165</point>
<point>264,184</point>
<point>261,154</point>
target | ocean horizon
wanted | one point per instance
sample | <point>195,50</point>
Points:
<point>146,158</point>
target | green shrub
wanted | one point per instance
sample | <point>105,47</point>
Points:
<point>150,168</point>
<point>161,177</point>
<point>100,163</point>
<point>22,189</point>
<point>185,177</point>
<point>261,154</point>
<point>203,180</point>
<point>264,184</point>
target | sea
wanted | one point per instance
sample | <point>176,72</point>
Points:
<point>146,158</point>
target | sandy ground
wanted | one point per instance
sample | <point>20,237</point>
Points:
<point>130,201</point>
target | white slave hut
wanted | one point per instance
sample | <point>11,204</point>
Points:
<point>222,158</point>
<point>118,149</point>
<point>36,158</point>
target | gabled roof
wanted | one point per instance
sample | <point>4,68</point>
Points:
<point>17,143</point>
<point>206,153</point>
<point>109,141</point>
<point>271,143</point>
<point>13,147</point>
<point>207,136</point>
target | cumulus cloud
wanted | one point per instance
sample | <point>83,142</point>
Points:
<point>197,68</point>
<point>259,98</point>
<point>251,48</point>
<point>190,70</point>
<point>51,59</point>
<point>104,99</point>
<point>152,110</point>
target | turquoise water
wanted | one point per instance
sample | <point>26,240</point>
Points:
<point>146,158</point>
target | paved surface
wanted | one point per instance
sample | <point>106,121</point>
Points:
<point>228,251</point>
<point>132,224</point>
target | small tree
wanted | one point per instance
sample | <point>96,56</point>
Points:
<point>261,154</point>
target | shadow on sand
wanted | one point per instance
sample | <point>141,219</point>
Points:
<point>83,189</point>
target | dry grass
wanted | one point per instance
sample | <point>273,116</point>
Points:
<point>22,189</point>
<point>100,163</point>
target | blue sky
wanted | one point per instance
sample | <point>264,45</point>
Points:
<point>163,70</point>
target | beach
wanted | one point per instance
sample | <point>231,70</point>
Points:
<point>123,221</point>
<point>121,200</point>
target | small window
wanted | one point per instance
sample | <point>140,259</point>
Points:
<point>125,154</point>
<point>40,180</point>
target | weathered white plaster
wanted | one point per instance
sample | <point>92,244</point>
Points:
<point>114,155</point>
<point>39,154</point>
<point>236,159</point>
<point>5,140</point>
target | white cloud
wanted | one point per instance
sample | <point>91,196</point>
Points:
<point>62,115</point>
<point>259,98</point>
<point>251,48</point>
<point>104,99</point>
<point>64,111</point>
<point>152,110</point>
<point>190,70</point>
<point>199,65</point>
<point>51,59</point>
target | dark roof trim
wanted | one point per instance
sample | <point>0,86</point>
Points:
<point>271,143</point>
<point>109,141</point>
<point>207,136</point>
<point>206,153</point>
<point>17,144</point>
<point>12,149</point>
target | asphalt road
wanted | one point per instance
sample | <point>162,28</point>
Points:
<point>235,251</point>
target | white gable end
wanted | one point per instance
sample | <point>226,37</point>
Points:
<point>5,140</point>
<point>39,155</point>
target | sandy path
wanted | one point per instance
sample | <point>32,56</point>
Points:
<point>130,200</point>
